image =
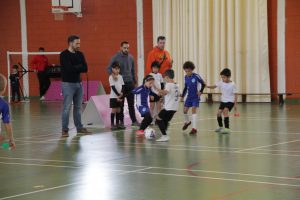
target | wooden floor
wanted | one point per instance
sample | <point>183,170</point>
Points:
<point>260,159</point>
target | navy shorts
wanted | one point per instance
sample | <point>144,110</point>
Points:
<point>192,102</point>
<point>143,110</point>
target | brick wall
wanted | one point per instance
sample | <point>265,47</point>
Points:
<point>104,25</point>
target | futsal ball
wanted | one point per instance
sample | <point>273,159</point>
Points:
<point>150,134</point>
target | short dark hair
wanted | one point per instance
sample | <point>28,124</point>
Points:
<point>155,64</point>
<point>15,67</point>
<point>169,73</point>
<point>124,42</point>
<point>161,38</point>
<point>189,65</point>
<point>3,83</point>
<point>115,64</point>
<point>71,38</point>
<point>148,78</point>
<point>225,72</point>
<point>41,49</point>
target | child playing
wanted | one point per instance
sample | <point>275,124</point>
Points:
<point>155,99</point>
<point>194,86</point>
<point>142,94</point>
<point>228,99</point>
<point>15,84</point>
<point>116,94</point>
<point>4,112</point>
<point>171,96</point>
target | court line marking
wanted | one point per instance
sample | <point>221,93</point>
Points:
<point>182,149</point>
<point>151,167</point>
<point>162,174</point>
<point>254,148</point>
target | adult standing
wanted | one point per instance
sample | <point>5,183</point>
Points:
<point>39,64</point>
<point>127,71</point>
<point>159,54</point>
<point>73,64</point>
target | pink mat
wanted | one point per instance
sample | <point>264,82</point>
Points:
<point>98,107</point>
<point>54,91</point>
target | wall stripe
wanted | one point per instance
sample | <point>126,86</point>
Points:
<point>281,28</point>
<point>140,40</point>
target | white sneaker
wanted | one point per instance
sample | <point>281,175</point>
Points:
<point>42,98</point>
<point>219,130</point>
<point>163,138</point>
<point>225,131</point>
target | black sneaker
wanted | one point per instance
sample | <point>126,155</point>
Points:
<point>114,127</point>
<point>186,125</point>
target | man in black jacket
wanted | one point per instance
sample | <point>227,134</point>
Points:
<point>73,63</point>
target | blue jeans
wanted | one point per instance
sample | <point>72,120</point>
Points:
<point>72,92</point>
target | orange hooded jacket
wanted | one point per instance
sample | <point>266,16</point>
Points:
<point>162,56</point>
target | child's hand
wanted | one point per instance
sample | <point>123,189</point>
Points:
<point>181,99</point>
<point>119,100</point>
<point>199,94</point>
<point>152,98</point>
<point>236,114</point>
<point>121,95</point>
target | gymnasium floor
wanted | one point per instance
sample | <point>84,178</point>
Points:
<point>258,160</point>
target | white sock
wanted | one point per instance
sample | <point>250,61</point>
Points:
<point>194,121</point>
<point>186,118</point>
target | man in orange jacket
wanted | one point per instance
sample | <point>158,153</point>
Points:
<point>39,64</point>
<point>160,55</point>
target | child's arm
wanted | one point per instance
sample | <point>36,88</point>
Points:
<point>10,135</point>
<point>137,90</point>
<point>212,86</point>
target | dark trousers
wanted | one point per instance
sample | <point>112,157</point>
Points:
<point>15,90</point>
<point>128,87</point>
<point>44,82</point>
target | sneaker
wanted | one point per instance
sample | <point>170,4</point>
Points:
<point>186,125</point>
<point>114,127</point>
<point>163,138</point>
<point>84,131</point>
<point>121,126</point>
<point>219,130</point>
<point>193,132</point>
<point>42,98</point>
<point>136,124</point>
<point>65,134</point>
<point>139,133</point>
<point>226,131</point>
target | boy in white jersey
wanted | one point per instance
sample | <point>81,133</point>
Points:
<point>116,96</point>
<point>228,99</point>
<point>155,97</point>
<point>171,99</point>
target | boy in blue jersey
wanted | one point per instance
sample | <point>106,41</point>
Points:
<point>193,87</point>
<point>4,114</point>
<point>142,94</point>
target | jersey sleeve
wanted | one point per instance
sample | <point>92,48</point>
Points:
<point>5,114</point>
<point>111,81</point>
<point>218,83</point>
<point>137,90</point>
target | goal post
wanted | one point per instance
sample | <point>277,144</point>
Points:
<point>26,81</point>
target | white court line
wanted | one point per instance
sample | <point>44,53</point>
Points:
<point>141,171</point>
<point>254,148</point>
<point>152,167</point>
<point>182,149</point>
<point>222,179</point>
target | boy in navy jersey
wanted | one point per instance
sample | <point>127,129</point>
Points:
<point>4,114</point>
<point>142,94</point>
<point>193,87</point>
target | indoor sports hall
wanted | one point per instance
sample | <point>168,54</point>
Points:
<point>150,99</point>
